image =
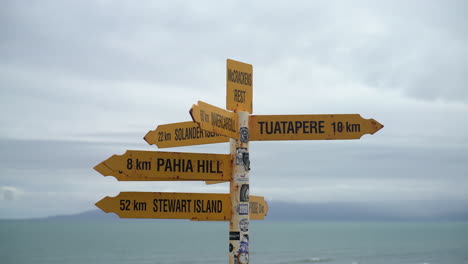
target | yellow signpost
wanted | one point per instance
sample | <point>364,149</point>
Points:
<point>310,127</point>
<point>193,206</point>
<point>216,125</point>
<point>239,83</point>
<point>182,134</point>
<point>136,165</point>
<point>215,119</point>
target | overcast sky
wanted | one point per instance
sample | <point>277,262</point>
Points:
<point>83,80</point>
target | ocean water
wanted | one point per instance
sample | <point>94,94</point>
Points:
<point>183,242</point>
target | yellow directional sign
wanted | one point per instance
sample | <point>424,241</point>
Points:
<point>182,134</point>
<point>258,208</point>
<point>239,83</point>
<point>215,119</point>
<point>310,127</point>
<point>193,206</point>
<point>163,166</point>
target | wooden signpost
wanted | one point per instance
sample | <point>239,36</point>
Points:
<point>212,124</point>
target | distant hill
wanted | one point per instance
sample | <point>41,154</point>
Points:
<point>283,211</point>
<point>336,211</point>
<point>88,215</point>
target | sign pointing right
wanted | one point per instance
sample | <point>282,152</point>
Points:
<point>310,127</point>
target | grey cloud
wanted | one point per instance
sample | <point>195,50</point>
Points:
<point>418,47</point>
<point>358,171</point>
<point>59,154</point>
<point>148,42</point>
<point>8,193</point>
<point>360,160</point>
<point>418,50</point>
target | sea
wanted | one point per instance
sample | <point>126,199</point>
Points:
<point>183,242</point>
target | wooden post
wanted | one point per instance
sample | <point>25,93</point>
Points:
<point>239,193</point>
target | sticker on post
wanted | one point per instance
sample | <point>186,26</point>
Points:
<point>244,244</point>
<point>243,258</point>
<point>240,177</point>
<point>234,235</point>
<point>244,135</point>
<point>239,155</point>
<point>243,209</point>
<point>243,255</point>
<point>244,193</point>
<point>246,160</point>
<point>244,225</point>
<point>242,158</point>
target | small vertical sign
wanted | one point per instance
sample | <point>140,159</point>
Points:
<point>239,84</point>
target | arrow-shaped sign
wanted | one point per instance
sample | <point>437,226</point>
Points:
<point>182,134</point>
<point>310,127</point>
<point>215,119</point>
<point>163,166</point>
<point>193,206</point>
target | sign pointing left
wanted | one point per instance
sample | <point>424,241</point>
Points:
<point>157,205</point>
<point>164,166</point>
<point>182,134</point>
<point>193,206</point>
